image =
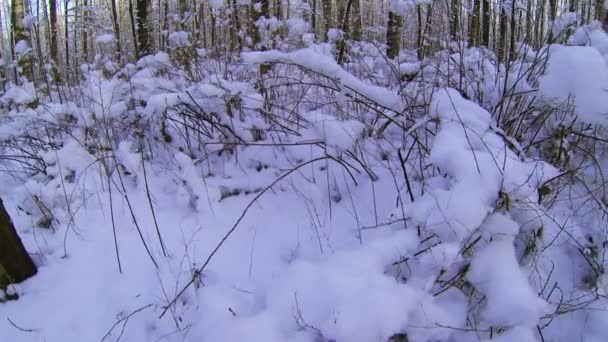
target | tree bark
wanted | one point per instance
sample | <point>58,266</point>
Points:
<point>540,22</point>
<point>15,263</point>
<point>115,26</point>
<point>487,22</point>
<point>393,35</point>
<point>529,23</point>
<point>514,34</point>
<point>599,10</point>
<point>18,9</point>
<point>327,18</point>
<point>278,9</point>
<point>345,20</point>
<point>53,40</point>
<point>143,28</point>
<point>455,20</point>
<point>502,42</point>
<point>66,36</point>
<point>474,28</point>
<point>134,30</point>
<point>82,17</point>
<point>552,17</point>
<point>357,26</point>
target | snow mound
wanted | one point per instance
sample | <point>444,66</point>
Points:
<point>581,73</point>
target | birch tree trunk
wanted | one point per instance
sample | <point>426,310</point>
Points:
<point>24,58</point>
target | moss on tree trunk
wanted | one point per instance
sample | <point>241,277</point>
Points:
<point>15,263</point>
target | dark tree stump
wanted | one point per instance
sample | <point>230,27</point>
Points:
<point>15,263</point>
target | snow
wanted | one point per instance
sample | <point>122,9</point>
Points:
<point>29,21</point>
<point>326,65</point>
<point>563,22</point>
<point>404,7</point>
<point>19,95</point>
<point>340,135</point>
<point>578,72</point>
<point>105,38</point>
<point>511,301</point>
<point>334,34</point>
<point>297,26</point>
<point>409,69</point>
<point>216,4</point>
<point>179,39</point>
<point>22,47</point>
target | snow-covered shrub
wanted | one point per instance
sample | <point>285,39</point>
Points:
<point>453,198</point>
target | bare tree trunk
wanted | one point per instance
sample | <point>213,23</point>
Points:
<point>530,23</point>
<point>235,27</point>
<point>357,27</point>
<point>164,26</point>
<point>455,19</point>
<point>116,27</point>
<point>182,8</point>
<point>313,17</point>
<point>502,42</point>
<point>424,47</point>
<point>36,31</point>
<point>487,22</point>
<point>599,10</point>
<point>134,29</point>
<point>3,71</point>
<point>18,9</point>
<point>393,35</point>
<point>15,263</point>
<point>552,17</point>
<point>202,27</point>
<point>84,30</point>
<point>341,46</point>
<point>540,35</point>
<point>327,18</point>
<point>474,27</point>
<point>341,12</point>
<point>602,14</point>
<point>53,37</point>
<point>278,8</point>
<point>143,28</point>
<point>514,33</point>
<point>66,36</point>
<point>420,33</point>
